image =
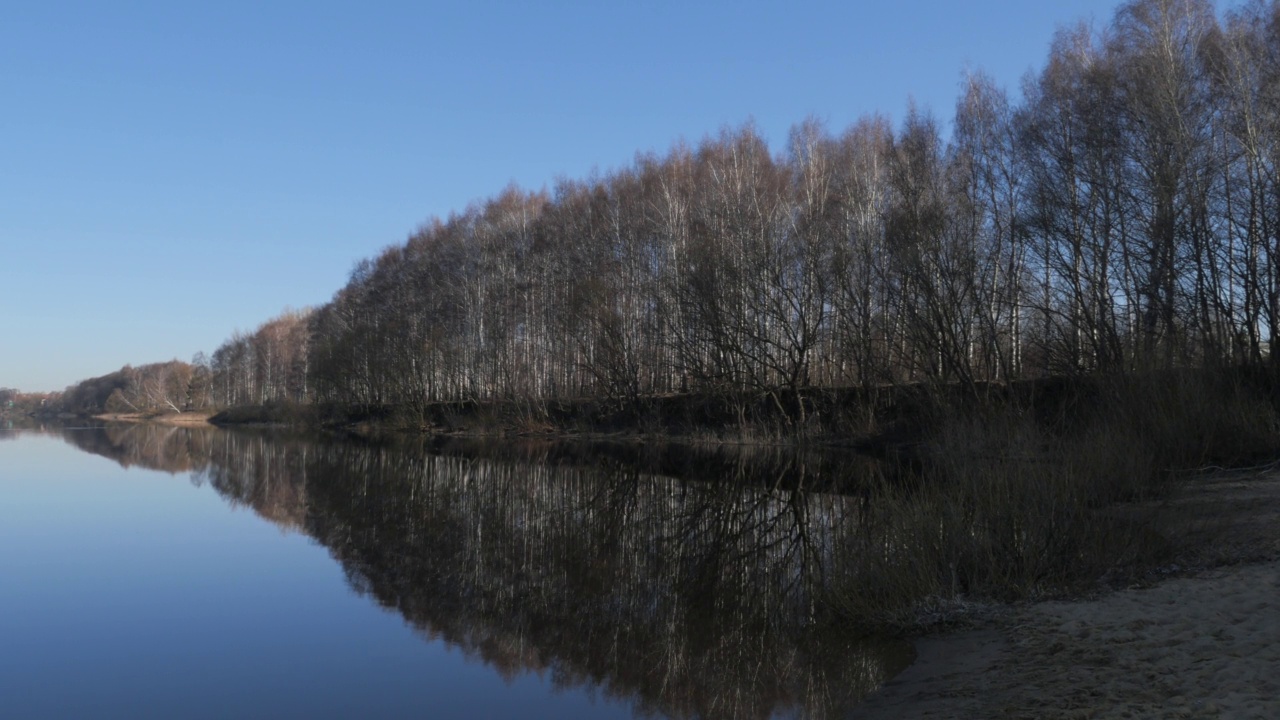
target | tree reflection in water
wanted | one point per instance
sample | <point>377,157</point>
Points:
<point>689,598</point>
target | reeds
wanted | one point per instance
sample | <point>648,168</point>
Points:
<point>1039,496</point>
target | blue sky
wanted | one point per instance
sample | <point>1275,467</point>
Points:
<point>172,173</point>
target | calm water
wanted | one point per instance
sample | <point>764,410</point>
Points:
<point>167,572</point>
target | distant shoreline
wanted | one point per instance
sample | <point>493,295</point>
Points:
<point>185,419</point>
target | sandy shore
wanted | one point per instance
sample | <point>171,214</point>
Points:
<point>183,419</point>
<point>1202,644</point>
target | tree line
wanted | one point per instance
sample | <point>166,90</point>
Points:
<point>266,366</point>
<point>172,386</point>
<point>14,402</point>
<point>1124,215</point>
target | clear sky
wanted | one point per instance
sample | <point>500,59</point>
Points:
<point>171,172</point>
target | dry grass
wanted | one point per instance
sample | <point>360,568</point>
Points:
<point>1011,503</point>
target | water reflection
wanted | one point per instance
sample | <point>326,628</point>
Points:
<point>11,426</point>
<point>686,598</point>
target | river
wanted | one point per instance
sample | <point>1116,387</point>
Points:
<point>162,572</point>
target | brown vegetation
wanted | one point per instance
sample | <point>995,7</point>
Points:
<point>1013,501</point>
<point>147,390</point>
<point>14,402</point>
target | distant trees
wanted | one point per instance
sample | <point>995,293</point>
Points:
<point>16,402</point>
<point>173,386</point>
<point>268,365</point>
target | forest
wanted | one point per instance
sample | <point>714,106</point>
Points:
<point>1121,217</point>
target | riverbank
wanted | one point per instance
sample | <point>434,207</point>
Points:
<point>883,419</point>
<point>1199,639</point>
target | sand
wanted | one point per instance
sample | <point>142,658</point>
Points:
<point>1200,644</point>
<point>187,419</point>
